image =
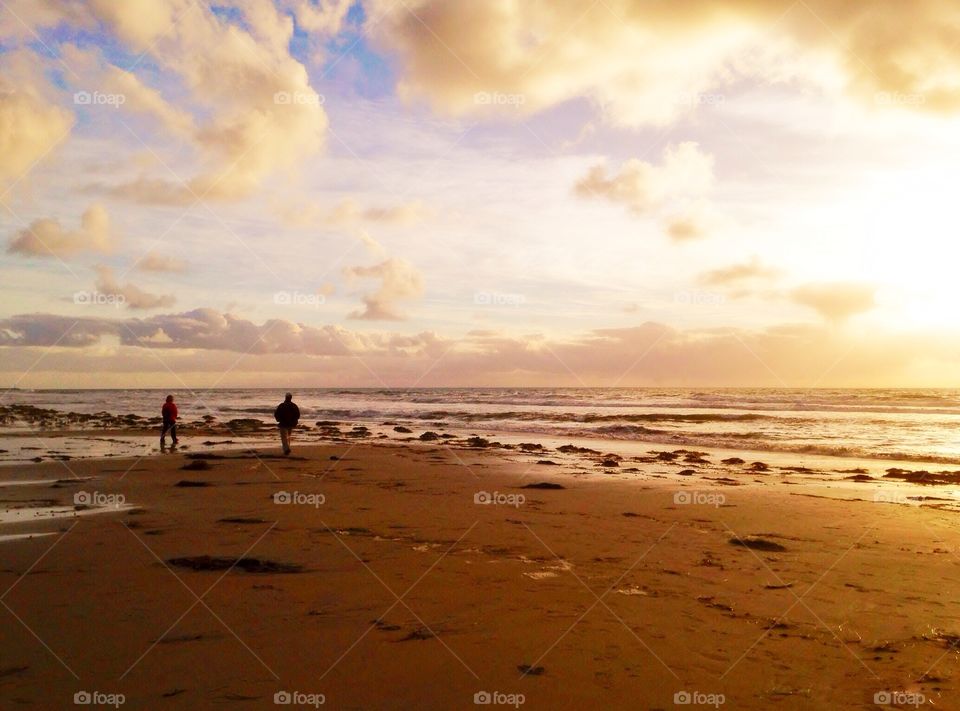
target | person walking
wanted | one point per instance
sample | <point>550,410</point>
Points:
<point>169,414</point>
<point>287,417</point>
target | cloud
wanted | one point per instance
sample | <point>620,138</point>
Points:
<point>644,187</point>
<point>681,229</point>
<point>317,20</point>
<point>836,301</point>
<point>350,212</point>
<point>371,245</point>
<point>206,329</point>
<point>144,99</point>
<point>737,273</point>
<point>461,57</point>
<point>399,280</point>
<point>265,23</point>
<point>31,125</point>
<point>149,191</point>
<point>326,17</point>
<point>672,190</point>
<point>260,116</point>
<point>47,330</point>
<point>92,73</point>
<point>139,22</point>
<point>22,19</point>
<point>644,63</point>
<point>154,262</point>
<point>731,356</point>
<point>47,237</point>
<point>405,214</point>
<point>775,356</point>
<point>132,296</point>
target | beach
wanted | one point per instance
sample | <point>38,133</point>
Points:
<point>616,341</point>
<point>448,573</point>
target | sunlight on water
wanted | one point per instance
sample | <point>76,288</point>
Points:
<point>872,423</point>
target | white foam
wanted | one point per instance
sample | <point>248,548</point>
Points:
<point>33,482</point>
<point>45,513</point>
<point>23,536</point>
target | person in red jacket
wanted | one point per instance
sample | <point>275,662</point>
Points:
<point>169,413</point>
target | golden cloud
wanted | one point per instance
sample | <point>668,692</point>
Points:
<point>48,238</point>
<point>648,62</point>
<point>131,295</point>
<point>29,128</point>
<point>399,280</point>
<point>261,116</point>
<point>792,355</point>
<point>836,301</point>
<point>154,262</point>
<point>736,273</point>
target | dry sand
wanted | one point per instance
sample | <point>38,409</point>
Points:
<point>383,584</point>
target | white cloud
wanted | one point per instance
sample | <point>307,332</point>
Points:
<point>673,190</point>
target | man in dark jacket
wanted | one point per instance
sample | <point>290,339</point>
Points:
<point>287,417</point>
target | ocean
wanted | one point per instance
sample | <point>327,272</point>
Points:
<point>906,425</point>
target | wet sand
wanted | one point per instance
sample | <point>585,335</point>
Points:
<point>376,576</point>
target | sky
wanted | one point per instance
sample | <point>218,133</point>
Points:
<point>399,193</point>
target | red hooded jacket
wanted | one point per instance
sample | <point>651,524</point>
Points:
<point>169,412</point>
